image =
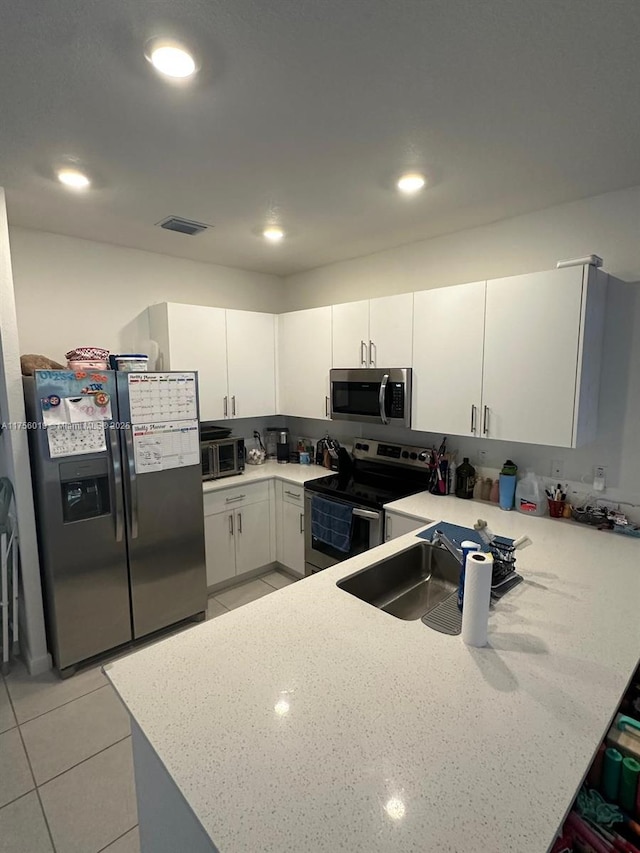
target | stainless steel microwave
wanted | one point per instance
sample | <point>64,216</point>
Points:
<point>373,395</point>
<point>222,457</point>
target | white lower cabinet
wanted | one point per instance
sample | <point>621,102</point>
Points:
<point>253,537</point>
<point>220,547</point>
<point>397,525</point>
<point>290,527</point>
<point>239,531</point>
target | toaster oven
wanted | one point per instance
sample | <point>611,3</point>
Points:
<point>222,457</point>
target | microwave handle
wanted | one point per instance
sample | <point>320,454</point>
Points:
<point>381,398</point>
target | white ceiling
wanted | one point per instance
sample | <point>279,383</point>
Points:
<point>308,108</point>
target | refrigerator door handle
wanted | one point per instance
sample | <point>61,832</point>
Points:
<point>116,471</point>
<point>133,483</point>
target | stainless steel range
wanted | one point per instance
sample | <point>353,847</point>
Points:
<point>380,472</point>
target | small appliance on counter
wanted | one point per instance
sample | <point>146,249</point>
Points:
<point>271,441</point>
<point>221,454</point>
<point>283,448</point>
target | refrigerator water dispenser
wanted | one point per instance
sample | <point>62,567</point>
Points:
<point>85,490</point>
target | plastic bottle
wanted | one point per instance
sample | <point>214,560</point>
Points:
<point>507,484</point>
<point>530,496</point>
<point>465,479</point>
<point>466,547</point>
<point>452,477</point>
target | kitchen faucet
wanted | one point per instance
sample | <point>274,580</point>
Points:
<point>440,538</point>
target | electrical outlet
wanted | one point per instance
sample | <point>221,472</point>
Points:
<point>482,458</point>
<point>599,478</point>
<point>557,469</point>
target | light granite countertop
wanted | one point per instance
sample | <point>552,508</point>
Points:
<point>311,721</point>
<point>292,472</point>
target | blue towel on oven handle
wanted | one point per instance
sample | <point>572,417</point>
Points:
<point>331,523</point>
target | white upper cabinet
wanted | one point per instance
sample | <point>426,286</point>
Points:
<point>233,352</point>
<point>373,332</point>
<point>516,359</point>
<point>448,338</point>
<point>350,329</point>
<point>251,363</point>
<point>391,330</point>
<point>542,356</point>
<point>194,337</point>
<point>304,361</point>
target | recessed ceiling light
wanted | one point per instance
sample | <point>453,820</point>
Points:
<point>171,59</point>
<point>273,234</point>
<point>411,183</point>
<point>74,179</point>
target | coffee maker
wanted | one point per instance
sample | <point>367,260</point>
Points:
<point>283,448</point>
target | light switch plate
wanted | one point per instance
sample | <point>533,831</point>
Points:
<point>599,478</point>
<point>557,469</point>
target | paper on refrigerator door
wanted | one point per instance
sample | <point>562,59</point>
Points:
<point>160,446</point>
<point>75,439</point>
<point>76,410</point>
<point>161,397</point>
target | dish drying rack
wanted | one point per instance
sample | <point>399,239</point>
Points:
<point>503,551</point>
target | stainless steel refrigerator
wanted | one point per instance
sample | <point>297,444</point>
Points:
<point>118,488</point>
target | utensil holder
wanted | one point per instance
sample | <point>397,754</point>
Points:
<point>556,508</point>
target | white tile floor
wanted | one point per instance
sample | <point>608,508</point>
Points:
<point>66,771</point>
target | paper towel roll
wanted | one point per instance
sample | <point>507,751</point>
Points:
<point>477,598</point>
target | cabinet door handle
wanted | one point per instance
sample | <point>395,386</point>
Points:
<point>292,494</point>
<point>231,525</point>
<point>233,406</point>
<point>388,536</point>
<point>326,407</point>
<point>226,407</point>
<point>239,522</point>
<point>473,418</point>
<point>485,422</point>
<point>372,360</point>
<point>237,498</point>
<point>363,353</point>
<point>301,522</point>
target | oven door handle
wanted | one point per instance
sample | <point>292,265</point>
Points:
<point>366,513</point>
<point>381,398</point>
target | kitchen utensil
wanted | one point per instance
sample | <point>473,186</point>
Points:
<point>556,508</point>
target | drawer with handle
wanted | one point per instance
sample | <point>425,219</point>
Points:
<point>293,494</point>
<point>238,496</point>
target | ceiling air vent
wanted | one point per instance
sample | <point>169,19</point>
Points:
<point>183,226</point>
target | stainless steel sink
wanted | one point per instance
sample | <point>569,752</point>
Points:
<point>409,584</point>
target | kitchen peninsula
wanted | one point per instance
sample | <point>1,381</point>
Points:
<point>311,721</point>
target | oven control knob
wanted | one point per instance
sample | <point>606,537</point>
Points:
<point>423,456</point>
<point>405,454</point>
<point>413,456</point>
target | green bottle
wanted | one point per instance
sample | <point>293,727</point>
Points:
<point>465,479</point>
